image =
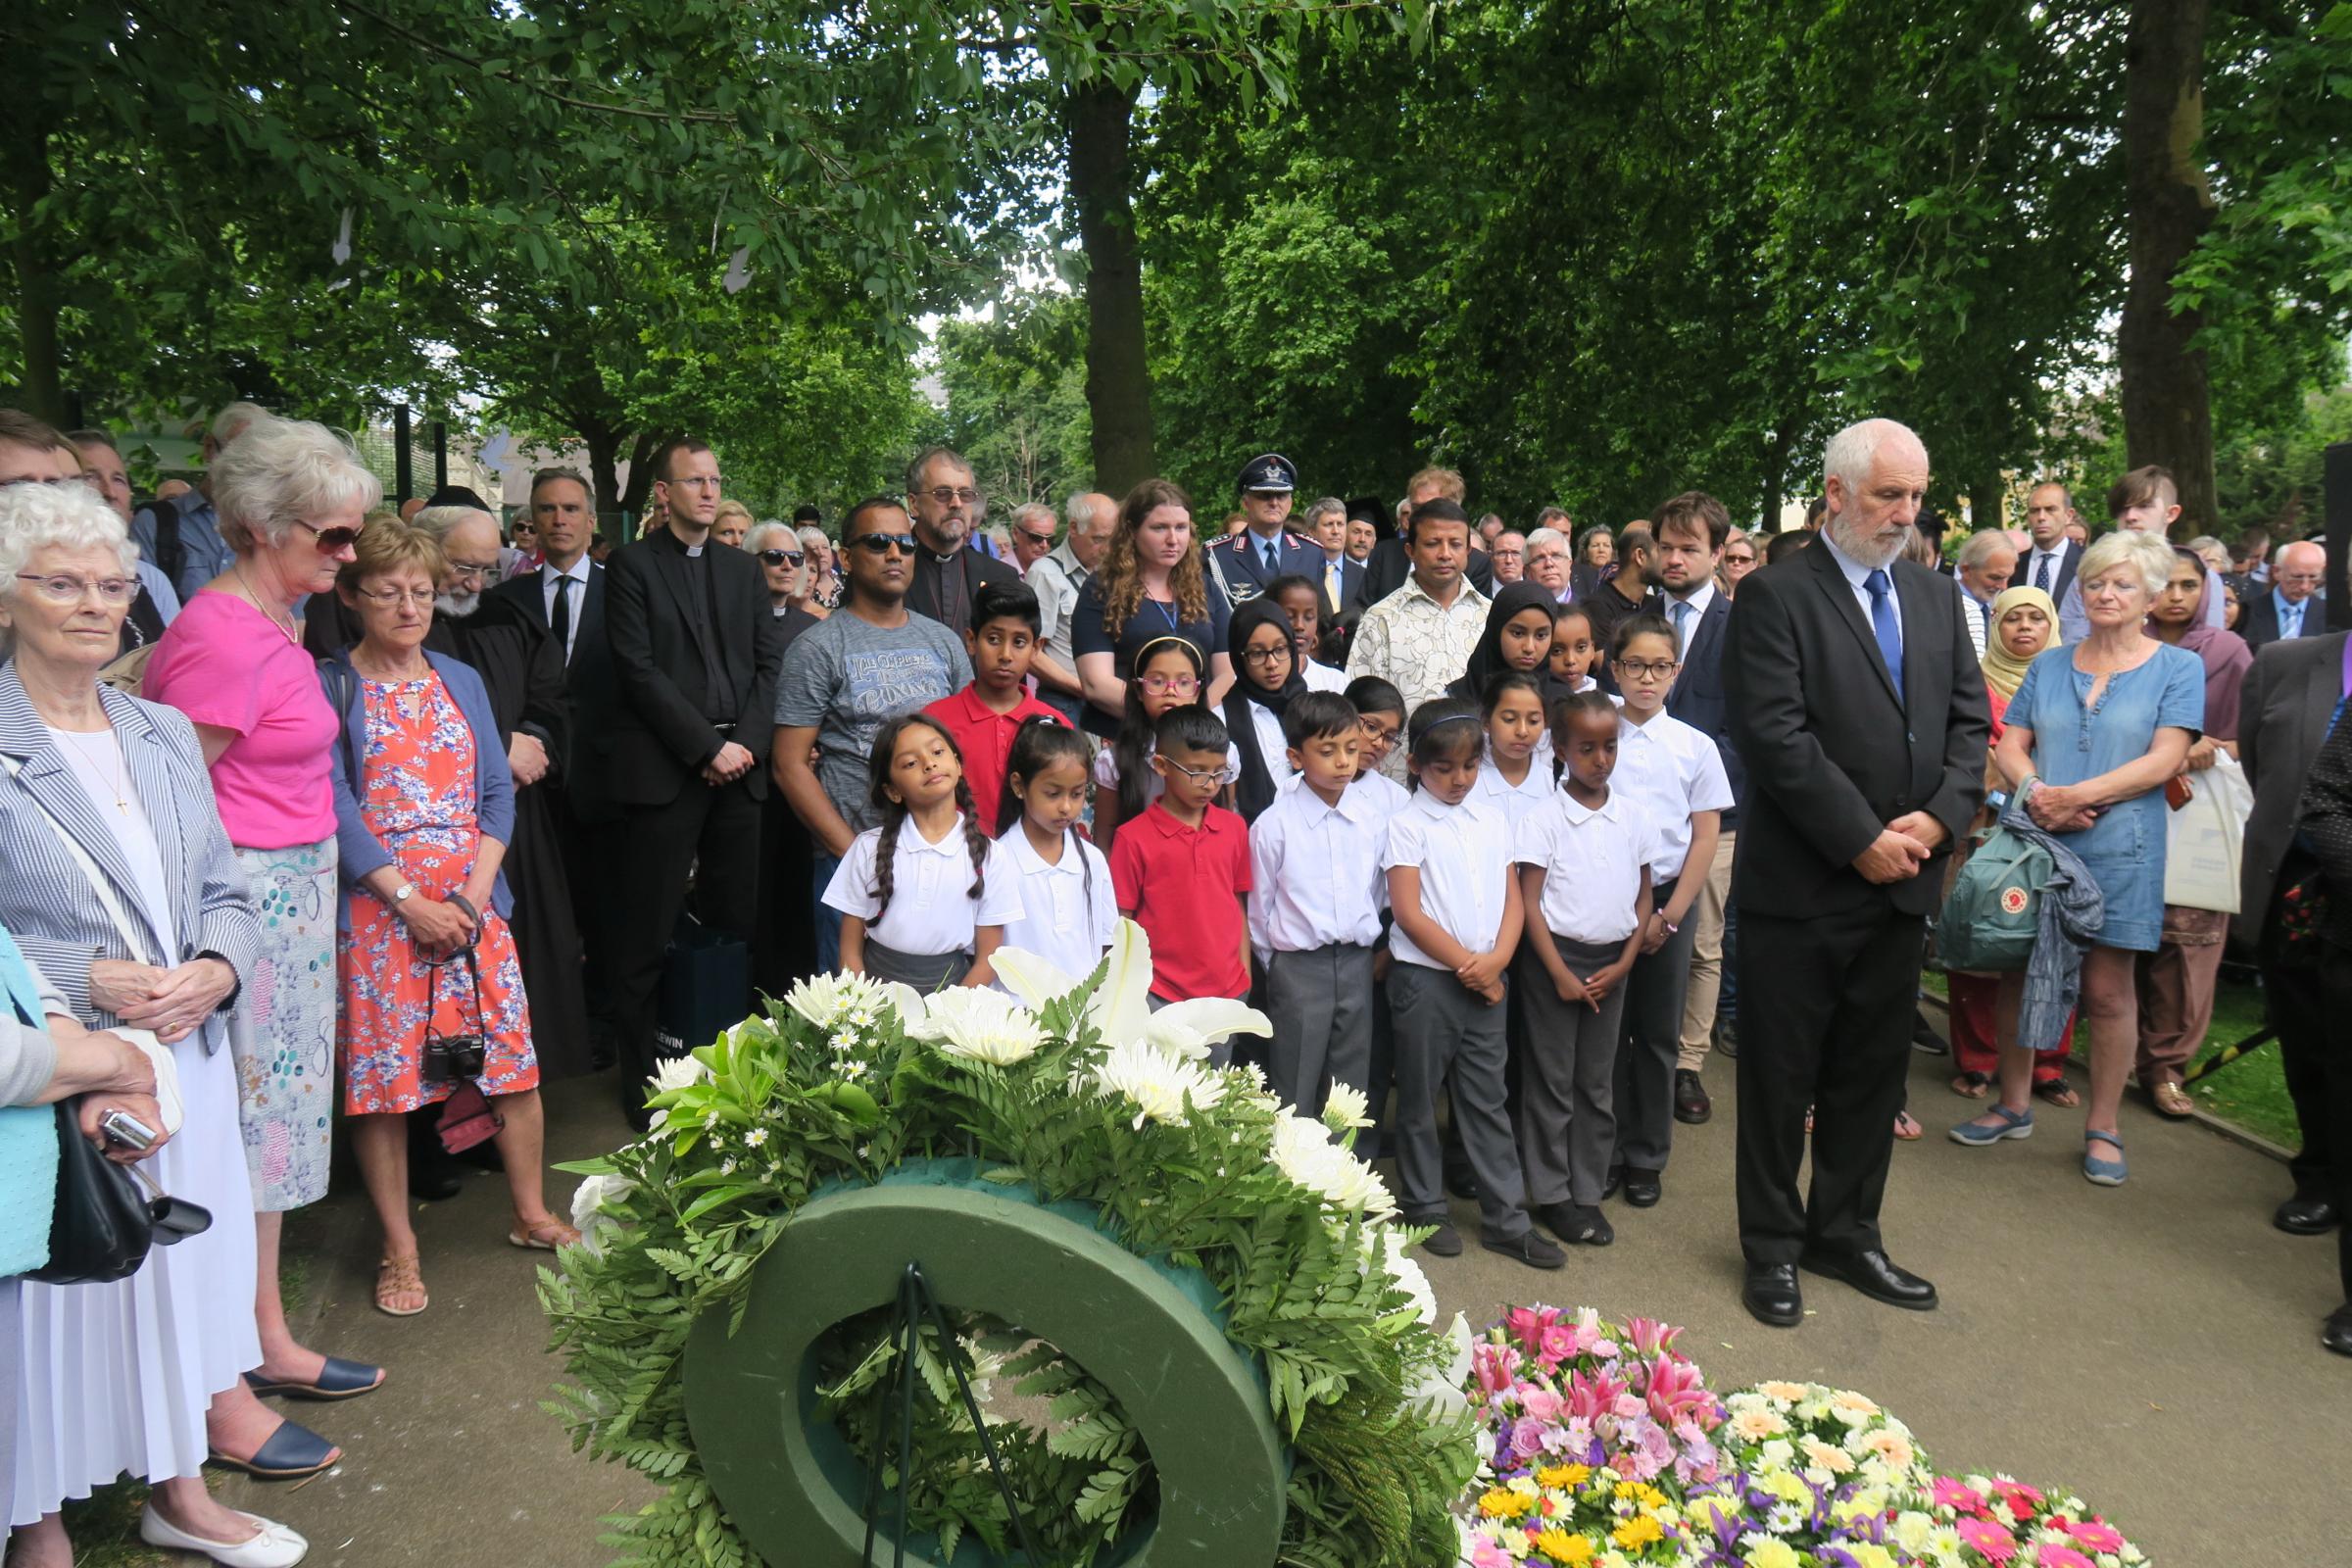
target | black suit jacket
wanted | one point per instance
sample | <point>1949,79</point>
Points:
<point>2282,716</point>
<point>2070,556</point>
<point>1702,699</point>
<point>1385,573</point>
<point>2259,625</point>
<point>922,589</point>
<point>589,684</point>
<point>1832,756</point>
<point>654,739</point>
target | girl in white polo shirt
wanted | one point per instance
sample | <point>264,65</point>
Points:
<point>1069,909</point>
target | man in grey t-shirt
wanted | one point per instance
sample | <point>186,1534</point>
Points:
<point>844,677</point>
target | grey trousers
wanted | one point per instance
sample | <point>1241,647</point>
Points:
<point>1653,1044</point>
<point>1320,1001</point>
<point>925,971</point>
<point>1567,1079</point>
<point>1444,1035</point>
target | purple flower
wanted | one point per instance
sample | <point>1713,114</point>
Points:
<point>1528,1435</point>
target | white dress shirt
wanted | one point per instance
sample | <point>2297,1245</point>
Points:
<point>931,907</point>
<point>576,573</point>
<point>1322,678</point>
<point>2031,574</point>
<point>1069,911</point>
<point>1270,744</point>
<point>1670,770</point>
<point>1591,863</point>
<point>1464,855</point>
<point>1857,577</point>
<point>1684,626</point>
<point>1314,869</point>
<point>1388,797</point>
<point>1514,803</point>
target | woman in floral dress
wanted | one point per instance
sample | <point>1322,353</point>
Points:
<point>422,811</point>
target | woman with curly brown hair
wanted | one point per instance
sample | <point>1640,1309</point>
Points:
<point>1152,584</point>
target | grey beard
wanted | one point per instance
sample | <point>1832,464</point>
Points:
<point>457,607</point>
<point>1861,548</point>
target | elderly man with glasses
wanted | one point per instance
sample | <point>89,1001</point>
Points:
<point>2295,607</point>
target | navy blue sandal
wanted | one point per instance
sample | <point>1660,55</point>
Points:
<point>292,1453</point>
<point>337,1380</point>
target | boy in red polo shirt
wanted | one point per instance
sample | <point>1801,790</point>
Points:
<point>1182,869</point>
<point>985,715</point>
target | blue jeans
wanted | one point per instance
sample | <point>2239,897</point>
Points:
<point>828,918</point>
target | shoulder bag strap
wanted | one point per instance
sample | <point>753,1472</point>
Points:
<point>123,925</point>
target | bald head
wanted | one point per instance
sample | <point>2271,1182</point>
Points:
<point>2299,571</point>
<point>1091,515</point>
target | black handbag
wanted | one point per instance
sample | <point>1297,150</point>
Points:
<point>103,1227</point>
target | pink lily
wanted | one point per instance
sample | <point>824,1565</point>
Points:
<point>1650,1335</point>
<point>1594,1394</point>
<point>1528,1323</point>
<point>1678,1392</point>
<point>1496,1365</point>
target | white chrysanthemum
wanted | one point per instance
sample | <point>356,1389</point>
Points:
<point>587,1210</point>
<point>823,998</point>
<point>1156,1084</point>
<point>981,1025</point>
<point>1305,1154</point>
<point>1346,1106</point>
<point>674,1072</point>
<point>828,1000</point>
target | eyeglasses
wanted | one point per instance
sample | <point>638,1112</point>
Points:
<point>876,543</point>
<point>1265,656</point>
<point>1641,670</point>
<point>1210,775</point>
<point>63,588</point>
<point>1035,538</point>
<point>1160,685</point>
<point>471,569</point>
<point>331,540</point>
<point>781,557</point>
<point>1739,559</point>
<point>948,497</point>
<point>394,598</point>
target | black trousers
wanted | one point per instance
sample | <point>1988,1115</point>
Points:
<point>1824,1020</point>
<point>2312,1011</point>
<point>711,834</point>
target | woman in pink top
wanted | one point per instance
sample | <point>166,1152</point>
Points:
<point>292,498</point>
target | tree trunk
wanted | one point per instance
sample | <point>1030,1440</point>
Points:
<point>1099,119</point>
<point>603,457</point>
<point>641,474</point>
<point>39,295</point>
<point>2168,409</point>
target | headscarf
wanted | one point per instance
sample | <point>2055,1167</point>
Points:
<point>2224,653</point>
<point>1254,789</point>
<point>1486,659</point>
<point>2004,672</point>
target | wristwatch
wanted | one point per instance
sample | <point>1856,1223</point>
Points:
<point>400,893</point>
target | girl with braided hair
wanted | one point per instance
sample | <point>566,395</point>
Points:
<point>923,898</point>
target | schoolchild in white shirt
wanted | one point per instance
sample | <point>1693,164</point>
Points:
<point>1584,879</point>
<point>1517,778</point>
<point>1314,864</point>
<point>923,897</point>
<point>1302,602</point>
<point>1069,910</point>
<point>1380,716</point>
<point>1675,773</point>
<point>1457,918</point>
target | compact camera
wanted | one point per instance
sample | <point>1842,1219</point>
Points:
<point>458,1056</point>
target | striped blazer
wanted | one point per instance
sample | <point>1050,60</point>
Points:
<point>47,902</point>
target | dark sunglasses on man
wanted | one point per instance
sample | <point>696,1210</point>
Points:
<point>878,543</point>
<point>781,557</point>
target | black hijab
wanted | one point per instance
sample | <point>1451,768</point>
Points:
<point>1254,789</point>
<point>1486,660</point>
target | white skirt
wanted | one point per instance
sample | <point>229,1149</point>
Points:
<point>116,1377</point>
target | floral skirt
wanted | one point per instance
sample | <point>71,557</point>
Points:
<point>282,1033</point>
<point>392,999</point>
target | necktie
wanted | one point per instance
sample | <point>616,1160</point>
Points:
<point>1681,626</point>
<point>2042,572</point>
<point>559,623</point>
<point>1882,622</point>
<point>1331,584</point>
<point>1272,559</point>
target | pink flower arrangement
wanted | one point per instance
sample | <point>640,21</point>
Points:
<point>1553,1387</point>
<point>2001,1521</point>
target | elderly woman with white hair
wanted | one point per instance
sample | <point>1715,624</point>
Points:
<point>821,588</point>
<point>124,890</point>
<point>2094,732</point>
<point>292,498</point>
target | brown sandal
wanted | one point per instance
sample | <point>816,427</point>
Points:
<point>544,1235</point>
<point>400,1276</point>
<point>2172,1100</point>
<point>2058,1091</point>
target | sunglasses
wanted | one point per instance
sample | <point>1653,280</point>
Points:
<point>877,543</point>
<point>781,557</point>
<point>331,540</point>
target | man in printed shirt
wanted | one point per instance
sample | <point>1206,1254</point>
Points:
<point>1420,637</point>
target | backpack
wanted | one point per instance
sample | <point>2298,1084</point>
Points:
<point>1993,913</point>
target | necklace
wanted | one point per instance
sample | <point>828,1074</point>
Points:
<point>286,625</point>
<point>114,785</point>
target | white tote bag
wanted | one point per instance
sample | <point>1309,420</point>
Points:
<point>2205,840</point>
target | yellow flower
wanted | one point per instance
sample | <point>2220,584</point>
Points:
<point>1562,1477</point>
<point>1870,1555</point>
<point>1770,1554</point>
<point>1501,1503</point>
<point>1785,1487</point>
<point>1637,1532</point>
<point>1571,1552</point>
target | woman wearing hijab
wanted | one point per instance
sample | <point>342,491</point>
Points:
<point>2024,623</point>
<point>2177,980</point>
<point>1266,676</point>
<point>1518,636</point>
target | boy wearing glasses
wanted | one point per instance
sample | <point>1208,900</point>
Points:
<point>1182,868</point>
<point>1674,774</point>
<point>843,678</point>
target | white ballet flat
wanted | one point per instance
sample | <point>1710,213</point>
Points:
<point>276,1547</point>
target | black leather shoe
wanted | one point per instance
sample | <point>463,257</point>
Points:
<point>1924,1038</point>
<point>1462,1184</point>
<point>1641,1189</point>
<point>436,1185</point>
<point>2301,1215</point>
<point>2337,1333</point>
<point>1582,1227</point>
<point>1691,1102</point>
<point>1874,1274</point>
<point>1443,1242</point>
<point>1611,1182</point>
<point>1531,1249</point>
<point>1770,1295</point>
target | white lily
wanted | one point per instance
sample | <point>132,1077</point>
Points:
<point>1439,1394</point>
<point>1120,1007</point>
<point>674,1072</point>
<point>587,1210</point>
<point>981,1025</point>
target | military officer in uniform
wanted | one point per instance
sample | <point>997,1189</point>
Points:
<point>1244,565</point>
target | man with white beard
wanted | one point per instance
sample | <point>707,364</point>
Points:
<point>1858,711</point>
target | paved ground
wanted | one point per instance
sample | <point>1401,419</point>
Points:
<point>2154,1346</point>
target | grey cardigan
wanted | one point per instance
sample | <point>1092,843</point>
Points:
<point>28,1055</point>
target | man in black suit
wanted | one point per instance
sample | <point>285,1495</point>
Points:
<point>1389,565</point>
<point>1860,717</point>
<point>1691,532</point>
<point>2285,712</point>
<point>694,655</point>
<point>2293,605</point>
<point>2049,565</point>
<point>1339,579</point>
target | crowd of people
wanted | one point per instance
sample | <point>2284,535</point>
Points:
<point>376,818</point>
